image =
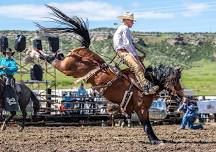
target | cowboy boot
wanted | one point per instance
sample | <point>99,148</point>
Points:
<point>149,88</point>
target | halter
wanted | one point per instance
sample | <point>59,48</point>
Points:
<point>173,90</point>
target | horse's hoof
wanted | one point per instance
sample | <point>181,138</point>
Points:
<point>3,127</point>
<point>157,142</point>
<point>21,129</point>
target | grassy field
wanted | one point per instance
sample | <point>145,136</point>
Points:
<point>201,78</point>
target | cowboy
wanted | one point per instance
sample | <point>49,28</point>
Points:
<point>8,67</point>
<point>125,48</point>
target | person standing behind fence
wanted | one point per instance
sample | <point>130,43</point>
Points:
<point>82,94</point>
<point>82,91</point>
<point>93,95</point>
<point>189,116</point>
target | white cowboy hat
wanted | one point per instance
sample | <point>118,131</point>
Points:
<point>127,15</point>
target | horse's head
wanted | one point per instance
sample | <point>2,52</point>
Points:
<point>173,83</point>
<point>167,78</point>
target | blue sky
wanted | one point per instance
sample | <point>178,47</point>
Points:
<point>151,15</point>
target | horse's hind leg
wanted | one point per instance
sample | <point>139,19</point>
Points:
<point>12,114</point>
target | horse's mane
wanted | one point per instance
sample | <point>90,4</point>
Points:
<point>158,75</point>
<point>73,24</point>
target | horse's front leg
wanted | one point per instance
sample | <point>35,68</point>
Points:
<point>1,110</point>
<point>1,114</point>
<point>143,115</point>
<point>35,116</point>
<point>4,125</point>
<point>149,131</point>
<point>24,114</point>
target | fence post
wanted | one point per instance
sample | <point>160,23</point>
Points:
<point>48,99</point>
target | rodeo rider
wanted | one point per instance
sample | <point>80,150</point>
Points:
<point>8,67</point>
<point>125,49</point>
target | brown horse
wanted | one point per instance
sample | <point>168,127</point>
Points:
<point>84,64</point>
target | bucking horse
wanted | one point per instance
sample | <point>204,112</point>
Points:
<point>116,85</point>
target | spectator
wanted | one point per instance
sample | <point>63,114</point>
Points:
<point>189,116</point>
<point>82,93</point>
<point>93,94</point>
<point>67,100</point>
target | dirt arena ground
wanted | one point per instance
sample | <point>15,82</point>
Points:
<point>106,139</point>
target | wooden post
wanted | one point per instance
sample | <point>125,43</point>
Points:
<point>49,100</point>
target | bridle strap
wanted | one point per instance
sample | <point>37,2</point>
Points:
<point>104,87</point>
<point>173,91</point>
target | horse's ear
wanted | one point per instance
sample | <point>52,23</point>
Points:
<point>178,69</point>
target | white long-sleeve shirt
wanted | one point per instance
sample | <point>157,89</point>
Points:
<point>122,39</point>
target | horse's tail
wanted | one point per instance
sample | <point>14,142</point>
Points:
<point>36,102</point>
<point>73,25</point>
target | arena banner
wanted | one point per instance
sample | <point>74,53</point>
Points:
<point>206,106</point>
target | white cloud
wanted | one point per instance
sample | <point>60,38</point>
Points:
<point>28,12</point>
<point>93,10</point>
<point>154,15</point>
<point>90,9</point>
<point>194,9</point>
<point>86,9</point>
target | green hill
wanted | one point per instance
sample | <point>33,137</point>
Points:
<point>194,52</point>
